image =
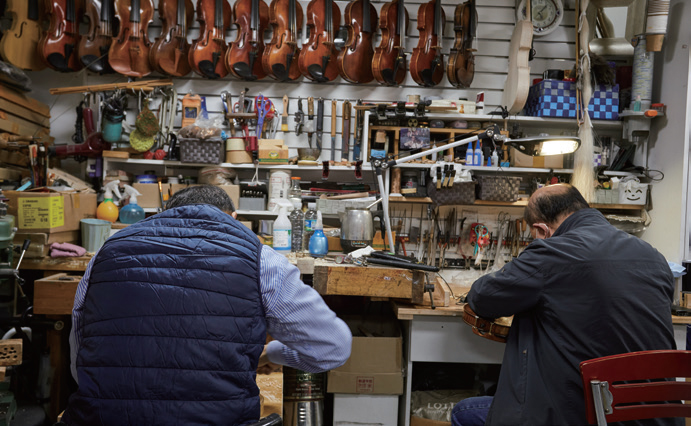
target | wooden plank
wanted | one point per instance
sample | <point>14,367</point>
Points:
<point>24,101</point>
<point>364,281</point>
<point>442,295</point>
<point>405,311</point>
<point>22,123</point>
<point>26,113</point>
<point>11,352</point>
<point>66,264</point>
<point>17,128</point>
<point>54,295</point>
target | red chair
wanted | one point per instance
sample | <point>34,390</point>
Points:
<point>605,394</point>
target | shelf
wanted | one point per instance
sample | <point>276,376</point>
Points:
<point>431,130</point>
<point>521,202</point>
<point>169,163</point>
<point>511,169</point>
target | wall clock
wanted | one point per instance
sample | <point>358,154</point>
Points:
<point>546,14</point>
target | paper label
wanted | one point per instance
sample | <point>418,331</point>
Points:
<point>282,239</point>
<point>42,212</point>
<point>310,224</point>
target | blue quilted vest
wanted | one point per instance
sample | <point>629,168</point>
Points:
<point>173,324</point>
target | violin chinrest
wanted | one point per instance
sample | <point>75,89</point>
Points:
<point>208,69</point>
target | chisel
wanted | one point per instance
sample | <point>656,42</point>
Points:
<point>284,116</point>
<point>345,142</point>
<point>309,126</point>
<point>334,110</point>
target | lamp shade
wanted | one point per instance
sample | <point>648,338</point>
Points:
<point>545,145</point>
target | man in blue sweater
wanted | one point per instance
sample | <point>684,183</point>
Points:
<point>581,290</point>
<point>171,317</point>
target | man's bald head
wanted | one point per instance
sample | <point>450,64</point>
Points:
<point>554,203</point>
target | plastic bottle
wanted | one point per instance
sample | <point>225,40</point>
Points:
<point>495,159</point>
<point>297,225</point>
<point>469,156</point>
<point>295,193</point>
<point>107,210</point>
<point>478,158</point>
<point>310,223</point>
<point>281,232</point>
<point>319,245</point>
<point>132,212</point>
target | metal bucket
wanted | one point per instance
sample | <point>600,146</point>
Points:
<point>303,398</point>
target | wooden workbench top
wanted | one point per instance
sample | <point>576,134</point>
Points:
<point>63,264</point>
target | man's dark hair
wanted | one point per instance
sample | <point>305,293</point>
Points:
<point>550,206</point>
<point>202,194</point>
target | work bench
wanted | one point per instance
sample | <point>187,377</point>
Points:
<point>429,335</point>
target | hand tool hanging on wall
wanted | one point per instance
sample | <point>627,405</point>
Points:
<point>345,142</point>
<point>320,122</point>
<point>357,147</point>
<point>299,117</point>
<point>284,116</point>
<point>309,126</point>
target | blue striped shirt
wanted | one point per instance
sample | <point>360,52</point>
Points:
<point>307,334</point>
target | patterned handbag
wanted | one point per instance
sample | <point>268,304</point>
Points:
<point>459,193</point>
<point>498,188</point>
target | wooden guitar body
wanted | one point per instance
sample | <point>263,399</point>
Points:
<point>244,56</point>
<point>129,52</point>
<point>281,54</point>
<point>492,329</point>
<point>518,79</point>
<point>19,43</point>
<point>169,52</point>
<point>355,60</point>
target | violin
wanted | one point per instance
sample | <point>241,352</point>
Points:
<point>389,62</point>
<point>58,45</point>
<point>19,43</point>
<point>427,61</point>
<point>280,59</point>
<point>461,67</point>
<point>493,329</point>
<point>94,45</point>
<point>244,56</point>
<point>206,53</point>
<point>168,54</point>
<point>318,59</point>
<point>129,51</point>
<point>355,59</point>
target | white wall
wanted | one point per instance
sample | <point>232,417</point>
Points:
<point>669,145</point>
<point>496,25</point>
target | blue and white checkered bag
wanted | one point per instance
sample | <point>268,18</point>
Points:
<point>556,98</point>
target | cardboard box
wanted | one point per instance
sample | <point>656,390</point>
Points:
<point>375,365</point>
<point>549,162</point>
<point>272,151</point>
<point>54,295</point>
<point>152,199</point>
<point>40,242</point>
<point>365,410</point>
<point>419,421</point>
<point>48,211</point>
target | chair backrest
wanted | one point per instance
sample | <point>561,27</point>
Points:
<point>608,400</point>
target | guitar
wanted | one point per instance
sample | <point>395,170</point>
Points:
<point>493,329</point>
<point>518,79</point>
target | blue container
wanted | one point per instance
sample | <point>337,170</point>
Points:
<point>111,127</point>
<point>319,245</point>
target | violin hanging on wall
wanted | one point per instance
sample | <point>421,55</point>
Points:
<point>169,52</point>
<point>355,60</point>
<point>207,53</point>
<point>19,43</point>
<point>94,45</point>
<point>244,56</point>
<point>280,59</point>
<point>389,62</point>
<point>427,61</point>
<point>318,59</point>
<point>58,45</point>
<point>129,51</point>
<point>461,67</point>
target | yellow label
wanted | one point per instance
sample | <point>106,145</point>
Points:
<point>43,212</point>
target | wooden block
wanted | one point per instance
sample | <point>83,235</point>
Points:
<point>306,265</point>
<point>116,154</point>
<point>25,113</point>
<point>11,352</point>
<point>54,295</point>
<point>21,127</point>
<point>368,281</point>
<point>24,101</point>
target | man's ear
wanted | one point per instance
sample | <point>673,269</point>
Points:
<point>234,214</point>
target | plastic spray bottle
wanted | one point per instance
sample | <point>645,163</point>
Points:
<point>132,212</point>
<point>282,230</point>
<point>319,245</point>
<point>107,210</point>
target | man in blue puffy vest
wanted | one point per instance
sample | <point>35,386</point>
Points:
<point>171,317</point>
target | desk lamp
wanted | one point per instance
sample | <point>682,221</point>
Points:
<point>533,146</point>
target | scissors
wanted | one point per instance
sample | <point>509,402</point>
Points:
<point>265,109</point>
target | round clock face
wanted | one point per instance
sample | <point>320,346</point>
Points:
<point>546,15</point>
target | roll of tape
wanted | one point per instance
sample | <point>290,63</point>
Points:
<point>414,98</point>
<point>235,144</point>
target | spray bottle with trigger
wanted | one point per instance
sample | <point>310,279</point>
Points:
<point>132,212</point>
<point>107,210</point>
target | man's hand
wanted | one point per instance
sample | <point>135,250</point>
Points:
<point>266,366</point>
